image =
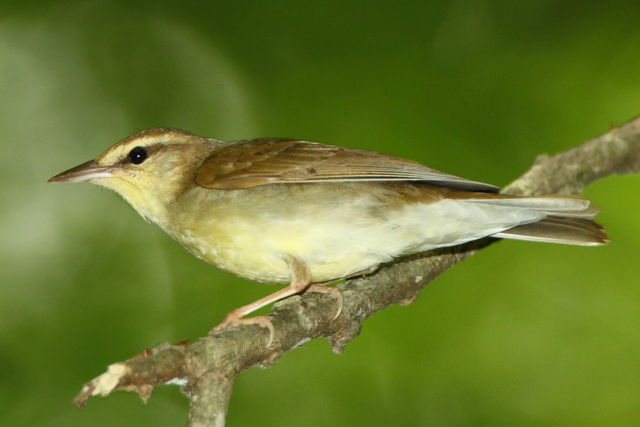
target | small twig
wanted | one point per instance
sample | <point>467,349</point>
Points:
<point>206,368</point>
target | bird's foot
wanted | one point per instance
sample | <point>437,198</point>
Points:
<point>233,320</point>
<point>331,290</point>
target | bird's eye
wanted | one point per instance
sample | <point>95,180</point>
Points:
<point>138,155</point>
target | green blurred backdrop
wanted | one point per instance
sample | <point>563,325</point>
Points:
<point>521,334</point>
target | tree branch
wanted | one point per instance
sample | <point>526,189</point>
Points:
<point>206,369</point>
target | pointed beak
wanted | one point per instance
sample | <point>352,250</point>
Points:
<point>84,172</point>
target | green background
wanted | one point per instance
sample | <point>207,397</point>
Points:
<point>521,334</point>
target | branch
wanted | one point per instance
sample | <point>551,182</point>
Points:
<point>206,368</point>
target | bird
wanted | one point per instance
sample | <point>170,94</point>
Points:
<point>304,214</point>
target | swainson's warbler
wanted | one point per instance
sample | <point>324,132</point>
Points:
<point>298,212</point>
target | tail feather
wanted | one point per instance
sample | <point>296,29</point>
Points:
<point>566,206</point>
<point>570,231</point>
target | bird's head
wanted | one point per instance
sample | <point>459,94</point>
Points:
<point>149,169</point>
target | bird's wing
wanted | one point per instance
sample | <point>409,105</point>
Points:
<point>255,162</point>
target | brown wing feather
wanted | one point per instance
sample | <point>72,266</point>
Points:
<point>256,162</point>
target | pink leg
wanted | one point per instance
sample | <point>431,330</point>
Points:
<point>335,292</point>
<point>300,280</point>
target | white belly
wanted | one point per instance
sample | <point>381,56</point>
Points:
<point>336,240</point>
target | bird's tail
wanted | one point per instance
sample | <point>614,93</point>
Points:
<point>569,220</point>
<point>553,229</point>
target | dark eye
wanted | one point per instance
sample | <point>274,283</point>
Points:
<point>137,155</point>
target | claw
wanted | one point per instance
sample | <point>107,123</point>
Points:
<point>331,290</point>
<point>232,320</point>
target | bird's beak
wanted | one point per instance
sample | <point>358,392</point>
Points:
<point>84,172</point>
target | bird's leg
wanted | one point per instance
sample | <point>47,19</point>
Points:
<point>300,280</point>
<point>335,292</point>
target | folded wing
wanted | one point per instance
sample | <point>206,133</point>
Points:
<point>251,163</point>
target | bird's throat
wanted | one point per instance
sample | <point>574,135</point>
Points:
<point>153,209</point>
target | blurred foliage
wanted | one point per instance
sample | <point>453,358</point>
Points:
<point>522,334</point>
